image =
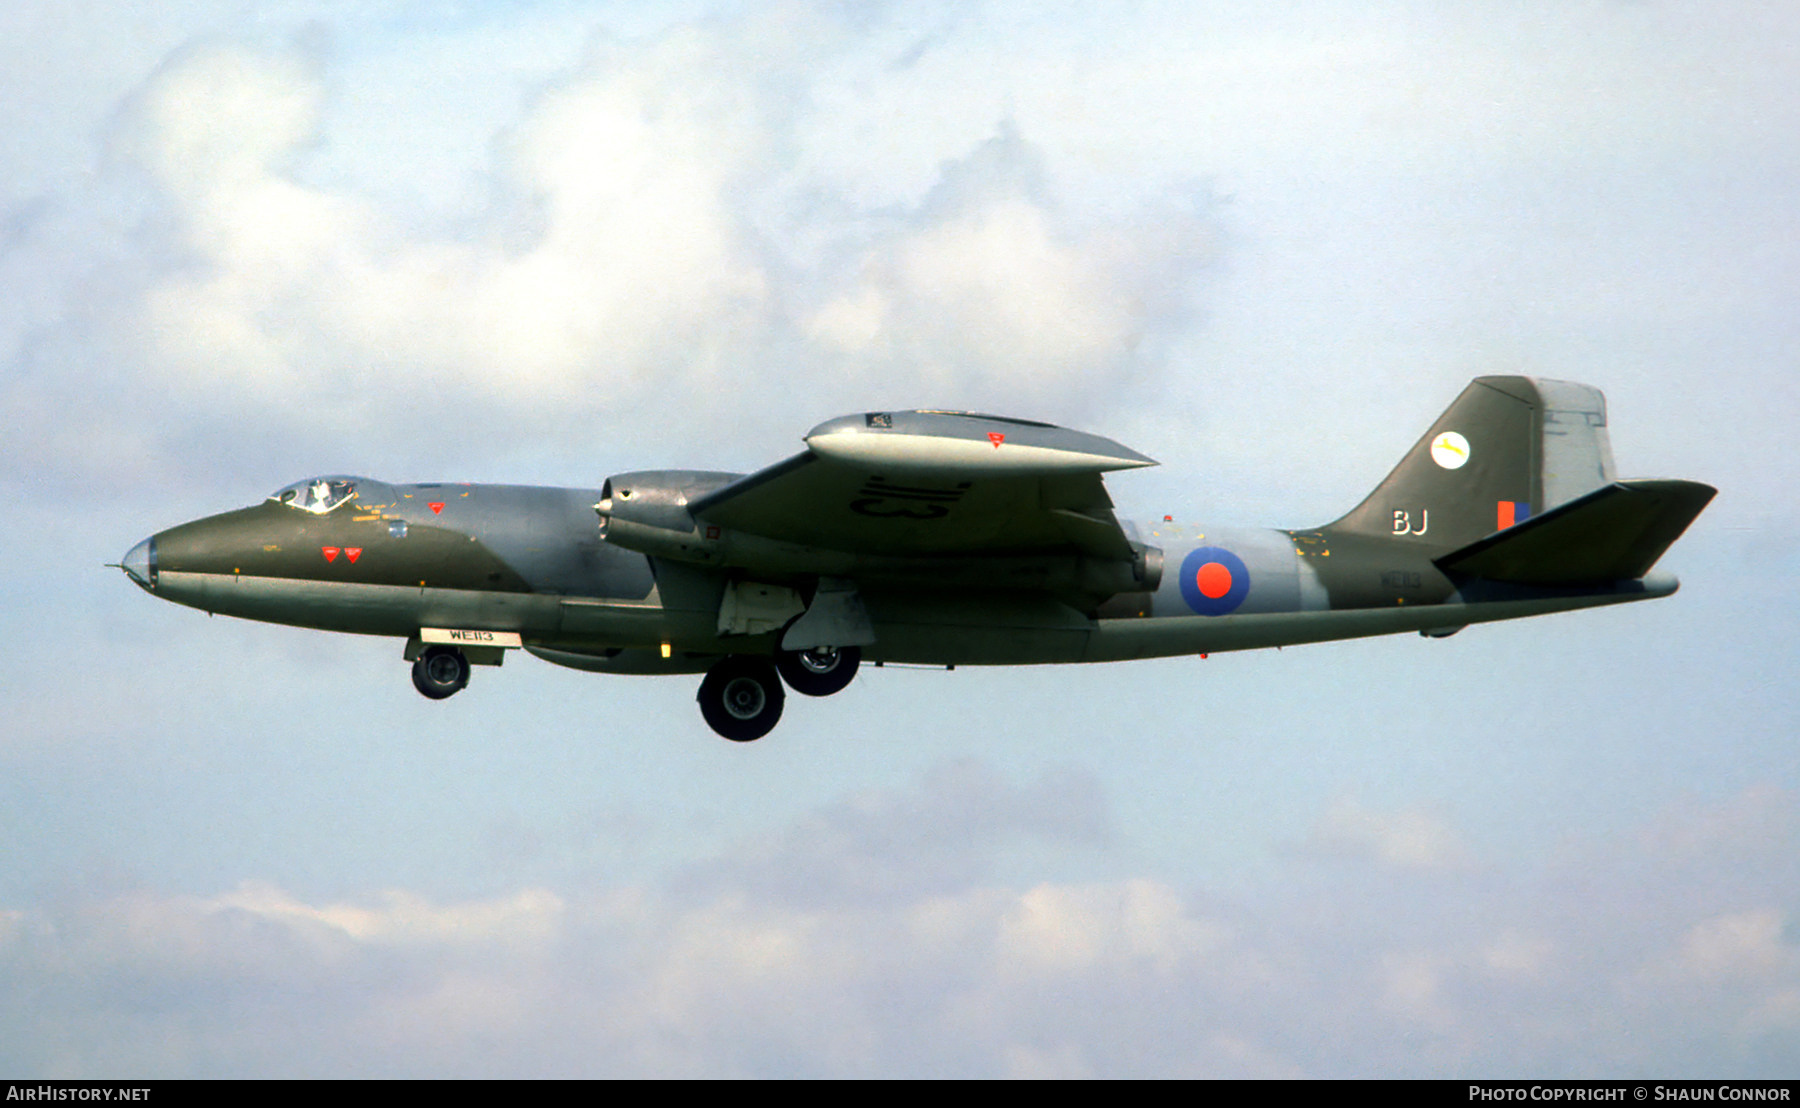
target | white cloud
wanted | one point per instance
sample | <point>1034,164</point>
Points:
<point>297,291</point>
<point>404,917</point>
<point>1518,954</point>
<point>1412,983</point>
<point>1104,927</point>
<point>217,120</point>
<point>900,844</point>
<point>1105,978</point>
<point>674,248</point>
<point>1738,945</point>
<point>650,238</point>
<point>860,209</point>
<point>1408,838</point>
<point>994,299</point>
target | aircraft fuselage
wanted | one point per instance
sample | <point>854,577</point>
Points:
<point>937,538</point>
<point>531,561</point>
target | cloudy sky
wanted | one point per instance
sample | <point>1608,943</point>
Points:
<point>545,242</point>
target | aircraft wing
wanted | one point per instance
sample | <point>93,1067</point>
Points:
<point>933,484</point>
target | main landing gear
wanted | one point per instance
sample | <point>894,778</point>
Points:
<point>818,672</point>
<point>741,697</point>
<point>440,672</point>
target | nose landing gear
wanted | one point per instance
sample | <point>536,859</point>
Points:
<point>440,672</point>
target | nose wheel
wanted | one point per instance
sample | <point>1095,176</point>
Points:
<point>741,698</point>
<point>440,672</point>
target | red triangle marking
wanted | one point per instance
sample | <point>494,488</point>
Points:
<point>330,552</point>
<point>996,438</point>
<point>436,507</point>
<point>353,552</point>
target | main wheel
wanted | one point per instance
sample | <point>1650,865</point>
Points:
<point>818,672</point>
<point>441,671</point>
<point>741,698</point>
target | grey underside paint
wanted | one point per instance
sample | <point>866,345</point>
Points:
<point>1122,640</point>
<point>1268,555</point>
<point>1024,633</point>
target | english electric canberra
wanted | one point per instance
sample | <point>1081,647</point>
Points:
<point>932,537</point>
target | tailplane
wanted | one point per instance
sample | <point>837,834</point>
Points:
<point>1615,533</point>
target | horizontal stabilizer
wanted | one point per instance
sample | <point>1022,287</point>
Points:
<point>1615,533</point>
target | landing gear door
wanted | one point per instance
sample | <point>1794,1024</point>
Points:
<point>835,618</point>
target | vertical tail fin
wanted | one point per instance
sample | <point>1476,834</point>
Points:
<point>1509,448</point>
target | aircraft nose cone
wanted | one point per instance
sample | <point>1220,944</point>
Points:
<point>140,563</point>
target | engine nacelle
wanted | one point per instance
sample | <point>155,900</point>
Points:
<point>648,512</point>
<point>658,497</point>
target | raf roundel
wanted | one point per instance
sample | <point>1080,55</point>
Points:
<point>1214,581</point>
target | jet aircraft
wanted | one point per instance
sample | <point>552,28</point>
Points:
<point>933,537</point>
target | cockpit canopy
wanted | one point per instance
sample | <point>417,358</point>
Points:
<point>319,495</point>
